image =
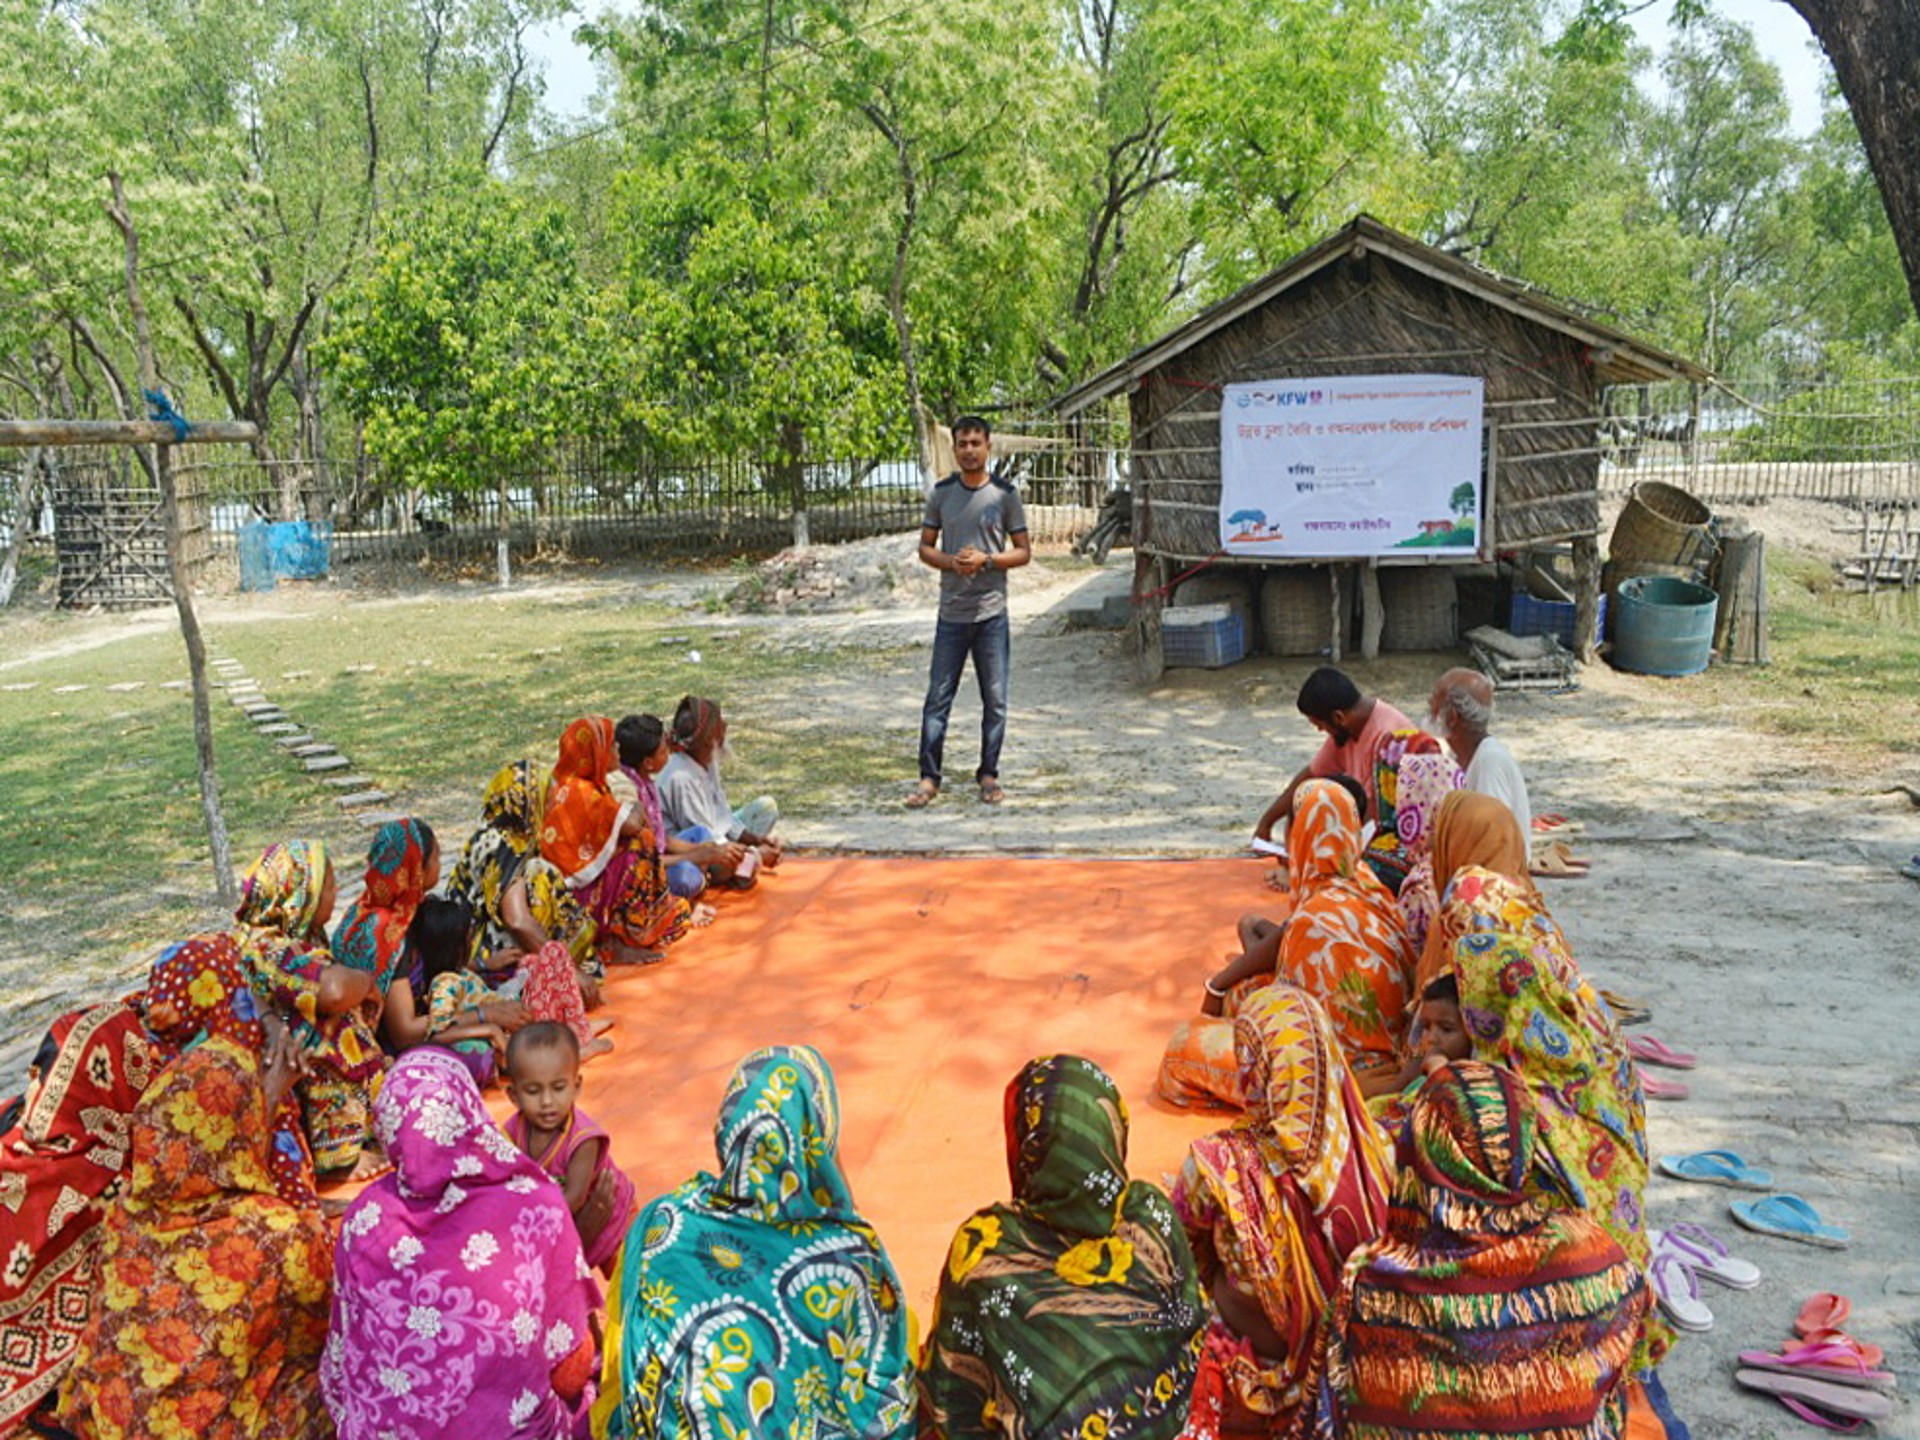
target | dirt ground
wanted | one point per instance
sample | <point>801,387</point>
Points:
<point>1743,884</point>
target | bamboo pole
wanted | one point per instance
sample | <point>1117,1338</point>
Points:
<point>18,433</point>
<point>218,843</point>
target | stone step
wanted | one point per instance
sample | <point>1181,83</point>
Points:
<point>125,685</point>
<point>289,741</point>
<point>374,819</point>
<point>270,716</point>
<point>176,685</point>
<point>18,685</point>
<point>348,782</point>
<point>363,797</point>
<point>318,763</point>
<point>280,727</point>
<point>68,689</point>
<point>311,749</point>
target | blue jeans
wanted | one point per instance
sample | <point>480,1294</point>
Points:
<point>989,643</point>
<point>684,878</point>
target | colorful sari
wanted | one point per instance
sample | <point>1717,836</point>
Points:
<point>61,1165</point>
<point>1527,1007</point>
<point>284,947</point>
<point>1076,1309</point>
<point>372,935</point>
<point>1492,1304</point>
<point>756,1301</point>
<point>621,879</point>
<point>1423,783</point>
<point>1345,943</point>
<point>213,1290</point>
<point>460,1299</point>
<point>1388,854</point>
<point>1276,1204</point>
<point>199,990</point>
<point>1473,832</point>
<point>505,849</point>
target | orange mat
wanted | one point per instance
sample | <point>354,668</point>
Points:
<point>926,984</point>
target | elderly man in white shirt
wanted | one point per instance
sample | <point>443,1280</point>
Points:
<point>1461,712</point>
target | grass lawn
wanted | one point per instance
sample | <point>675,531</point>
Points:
<point>1845,671</point>
<point>107,850</point>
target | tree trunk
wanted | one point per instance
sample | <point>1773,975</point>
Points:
<point>218,843</point>
<point>24,498</point>
<point>1875,49</point>
<point>793,478</point>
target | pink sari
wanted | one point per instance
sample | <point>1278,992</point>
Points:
<point>461,1297</point>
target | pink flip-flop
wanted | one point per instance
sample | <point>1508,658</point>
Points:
<point>1649,1051</point>
<point>1824,1402</point>
<point>1835,1363</point>
<point>1657,1089</point>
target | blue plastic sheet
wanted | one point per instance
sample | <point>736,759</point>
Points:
<point>283,550</point>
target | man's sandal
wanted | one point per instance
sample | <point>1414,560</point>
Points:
<point>924,794</point>
<point>990,792</point>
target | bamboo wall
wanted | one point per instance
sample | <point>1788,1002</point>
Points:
<point>1371,316</point>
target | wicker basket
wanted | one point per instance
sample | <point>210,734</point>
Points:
<point>1661,525</point>
<point>1232,588</point>
<point>1296,610</point>
<point>1422,604</point>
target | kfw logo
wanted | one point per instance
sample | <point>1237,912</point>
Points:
<point>1280,397</point>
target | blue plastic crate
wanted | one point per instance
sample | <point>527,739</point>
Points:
<point>1201,636</point>
<point>1532,616</point>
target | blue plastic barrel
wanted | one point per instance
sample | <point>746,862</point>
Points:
<point>1663,626</point>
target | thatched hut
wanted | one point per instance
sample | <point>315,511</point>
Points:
<point>1369,300</point>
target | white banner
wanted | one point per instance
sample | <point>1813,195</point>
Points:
<point>1352,466</point>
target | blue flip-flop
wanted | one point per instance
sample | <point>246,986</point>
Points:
<point>1716,1167</point>
<point>1912,868</point>
<point>1790,1218</point>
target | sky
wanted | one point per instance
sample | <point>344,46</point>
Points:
<point>1782,35</point>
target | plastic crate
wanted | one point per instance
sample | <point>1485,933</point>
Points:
<point>1533,616</point>
<point>1201,636</point>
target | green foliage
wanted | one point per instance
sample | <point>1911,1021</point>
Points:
<point>1863,410</point>
<point>467,345</point>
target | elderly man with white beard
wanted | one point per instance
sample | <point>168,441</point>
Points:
<point>1460,711</point>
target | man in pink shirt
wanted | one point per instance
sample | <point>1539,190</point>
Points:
<point>1354,724</point>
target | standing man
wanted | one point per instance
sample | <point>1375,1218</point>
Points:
<point>974,531</point>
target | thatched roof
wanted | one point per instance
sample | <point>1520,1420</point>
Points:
<point>1617,358</point>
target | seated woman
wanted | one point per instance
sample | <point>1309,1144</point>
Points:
<point>612,861</point>
<point>1492,1304</point>
<point>1478,854</point>
<point>693,797</point>
<point>1527,1008</point>
<point>1424,781</point>
<point>520,901</point>
<point>1272,1208</point>
<point>1084,1283</point>
<point>755,1300</point>
<point>212,1287</point>
<point>403,864</point>
<point>461,1301</point>
<point>60,1158</point>
<point>1344,944</point>
<point>1386,851</point>
<point>692,852</point>
<point>286,899</point>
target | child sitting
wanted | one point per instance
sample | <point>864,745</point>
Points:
<point>1439,1034</point>
<point>543,1081</point>
<point>457,999</point>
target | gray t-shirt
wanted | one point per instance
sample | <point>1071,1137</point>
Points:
<point>984,519</point>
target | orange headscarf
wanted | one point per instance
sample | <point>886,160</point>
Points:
<point>1345,944</point>
<point>583,819</point>
<point>1472,832</point>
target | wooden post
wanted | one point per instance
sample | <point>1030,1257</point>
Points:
<point>1373,614</point>
<point>1586,595</point>
<point>218,843</point>
<point>1333,582</point>
<point>1143,631</point>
